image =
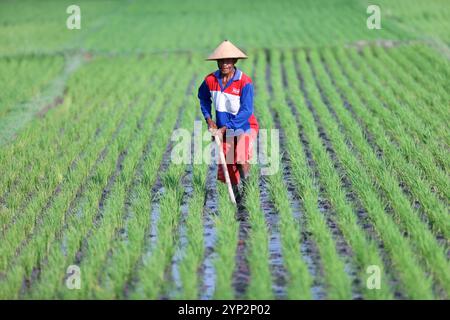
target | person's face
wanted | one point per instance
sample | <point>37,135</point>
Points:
<point>226,65</point>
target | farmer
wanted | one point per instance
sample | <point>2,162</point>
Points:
<point>231,91</point>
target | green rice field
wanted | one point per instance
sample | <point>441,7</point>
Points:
<point>86,177</point>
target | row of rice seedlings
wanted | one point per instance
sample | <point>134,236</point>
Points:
<point>117,269</point>
<point>77,175</point>
<point>435,136</point>
<point>427,67</point>
<point>420,188</point>
<point>16,157</point>
<point>44,164</point>
<point>408,172</point>
<point>436,70</point>
<point>297,26</point>
<point>415,283</point>
<point>150,276</point>
<point>431,131</point>
<point>39,242</point>
<point>98,235</point>
<point>337,280</point>
<point>429,107</point>
<point>415,178</point>
<point>22,79</point>
<point>428,80</point>
<point>407,145</point>
<point>103,81</point>
<point>434,60</point>
<point>260,285</point>
<point>48,166</point>
<point>36,30</point>
<point>365,250</point>
<point>50,183</point>
<point>335,29</point>
<point>226,228</point>
<point>102,235</point>
<point>412,123</point>
<point>43,176</point>
<point>257,251</point>
<point>386,178</point>
<point>402,103</point>
<point>26,223</point>
<point>227,236</point>
<point>103,225</point>
<point>423,105</point>
<point>430,101</point>
<point>140,206</point>
<point>298,279</point>
<point>195,249</point>
<point>428,20</point>
<point>30,220</point>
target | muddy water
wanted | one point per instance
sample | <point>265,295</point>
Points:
<point>241,275</point>
<point>276,263</point>
<point>342,247</point>
<point>351,196</point>
<point>207,272</point>
<point>75,207</point>
<point>275,251</point>
<point>362,214</point>
<point>157,191</point>
<point>174,275</point>
<point>363,218</point>
<point>308,249</point>
<point>151,237</point>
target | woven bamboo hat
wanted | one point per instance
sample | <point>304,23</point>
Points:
<point>227,50</point>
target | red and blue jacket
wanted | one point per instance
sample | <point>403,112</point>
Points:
<point>233,103</point>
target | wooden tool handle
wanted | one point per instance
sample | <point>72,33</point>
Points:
<point>225,169</point>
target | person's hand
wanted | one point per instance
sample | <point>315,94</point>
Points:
<point>211,124</point>
<point>218,132</point>
<point>212,127</point>
<point>221,131</point>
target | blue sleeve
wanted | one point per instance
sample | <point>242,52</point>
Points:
<point>205,100</point>
<point>246,109</point>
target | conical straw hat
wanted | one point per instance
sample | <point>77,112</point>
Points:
<point>226,50</point>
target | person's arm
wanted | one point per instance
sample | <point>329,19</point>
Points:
<point>246,109</point>
<point>204,95</point>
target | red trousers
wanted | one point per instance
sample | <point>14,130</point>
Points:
<point>238,149</point>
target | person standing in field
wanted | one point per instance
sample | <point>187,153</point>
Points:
<point>231,91</point>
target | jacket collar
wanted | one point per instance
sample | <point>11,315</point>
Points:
<point>237,74</point>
